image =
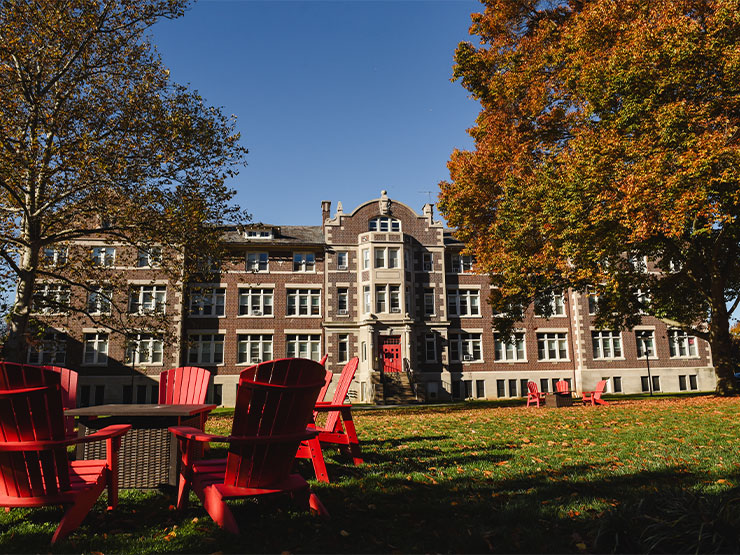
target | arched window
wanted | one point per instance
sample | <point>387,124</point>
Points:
<point>384,223</point>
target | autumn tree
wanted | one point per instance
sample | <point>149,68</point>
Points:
<point>609,131</point>
<point>97,143</point>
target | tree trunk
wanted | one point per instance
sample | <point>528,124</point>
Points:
<point>721,343</point>
<point>17,341</point>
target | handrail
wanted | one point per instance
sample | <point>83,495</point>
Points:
<point>411,376</point>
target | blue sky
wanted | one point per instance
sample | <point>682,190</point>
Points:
<point>335,100</point>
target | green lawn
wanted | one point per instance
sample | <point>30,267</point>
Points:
<point>640,475</point>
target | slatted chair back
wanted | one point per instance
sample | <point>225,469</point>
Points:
<point>274,401</point>
<point>32,414</point>
<point>561,386</point>
<point>327,381</point>
<point>186,385</point>
<point>600,387</point>
<point>340,393</point>
<point>69,394</point>
<point>19,376</point>
<point>532,387</point>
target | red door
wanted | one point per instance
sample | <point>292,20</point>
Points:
<point>391,350</point>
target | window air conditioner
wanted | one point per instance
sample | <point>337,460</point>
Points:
<point>427,266</point>
<point>342,267</point>
<point>256,313</point>
<point>256,360</point>
<point>468,357</point>
<point>342,311</point>
<point>396,310</point>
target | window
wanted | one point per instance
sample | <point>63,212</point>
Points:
<point>55,256</point>
<point>99,300</point>
<point>656,383</point>
<point>104,256</point>
<point>593,303</point>
<point>386,257</point>
<point>366,303</point>
<point>342,300</point>
<point>364,350</point>
<point>365,259</point>
<point>682,383</point>
<point>258,234</point>
<point>255,302</point>
<point>304,346</point>
<point>463,302</point>
<point>512,388</point>
<point>544,385</point>
<point>638,263</point>
<point>606,344</point>
<point>149,257</point>
<point>253,348</point>
<point>342,259</point>
<point>682,345</point>
<point>617,384</point>
<point>430,347</point>
<point>95,350</point>
<point>643,300</point>
<point>429,302</point>
<point>52,349</point>
<point>645,343</point>
<point>51,298</point>
<point>480,389</point>
<point>465,347</point>
<point>304,262</point>
<point>143,348</point>
<point>207,301</point>
<point>384,223</point>
<point>644,383</point>
<point>552,346</point>
<point>147,299</point>
<point>427,261</point>
<point>206,348</point>
<point>550,305</point>
<point>500,388</point>
<point>257,261</point>
<point>380,298</point>
<point>304,302</point>
<point>343,348</point>
<point>394,296</point>
<point>461,263</point>
<point>509,349</point>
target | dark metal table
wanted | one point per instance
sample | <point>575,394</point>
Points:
<point>149,452</point>
<point>558,400</point>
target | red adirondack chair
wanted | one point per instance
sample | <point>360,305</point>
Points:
<point>327,381</point>
<point>562,387</point>
<point>339,428</point>
<point>593,398</point>
<point>273,409</point>
<point>533,395</point>
<point>186,385</point>
<point>69,394</point>
<point>34,470</point>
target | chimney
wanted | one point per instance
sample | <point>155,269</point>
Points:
<point>325,210</point>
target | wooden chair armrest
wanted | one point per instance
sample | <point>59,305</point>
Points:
<point>108,432</point>
<point>329,407</point>
<point>194,434</point>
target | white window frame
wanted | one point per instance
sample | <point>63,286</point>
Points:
<point>149,257</point>
<point>365,259</point>
<point>258,262</point>
<point>256,301</point>
<point>366,299</point>
<point>679,340</point>
<point>342,300</point>
<point>384,224</point>
<point>312,297</point>
<point>466,347</point>
<point>208,348</point>
<point>381,298</point>
<point>144,349</point>
<point>58,294</point>
<point>95,345</point>
<point>510,350</point>
<point>56,256</point>
<point>556,302</point>
<point>249,344</point>
<point>302,344</point>
<point>258,234</point>
<point>147,299</point>
<point>99,300</point>
<point>641,337</point>
<point>559,339</point>
<point>342,264</point>
<point>386,257</point>
<point>51,350</point>
<point>304,262</point>
<point>461,263</point>
<point>343,348</point>
<point>430,346</point>
<point>207,302</point>
<point>427,262</point>
<point>467,299</point>
<point>592,300</point>
<point>104,257</point>
<point>429,302</point>
<point>605,344</point>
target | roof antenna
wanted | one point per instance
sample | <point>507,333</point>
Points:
<point>429,194</point>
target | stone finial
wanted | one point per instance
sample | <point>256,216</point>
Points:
<point>340,210</point>
<point>428,210</point>
<point>385,202</point>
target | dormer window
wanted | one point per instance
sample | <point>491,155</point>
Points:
<point>384,223</point>
<point>258,234</point>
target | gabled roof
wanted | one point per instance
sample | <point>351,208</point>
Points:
<point>283,235</point>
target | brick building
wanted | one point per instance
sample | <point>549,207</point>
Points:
<point>382,283</point>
